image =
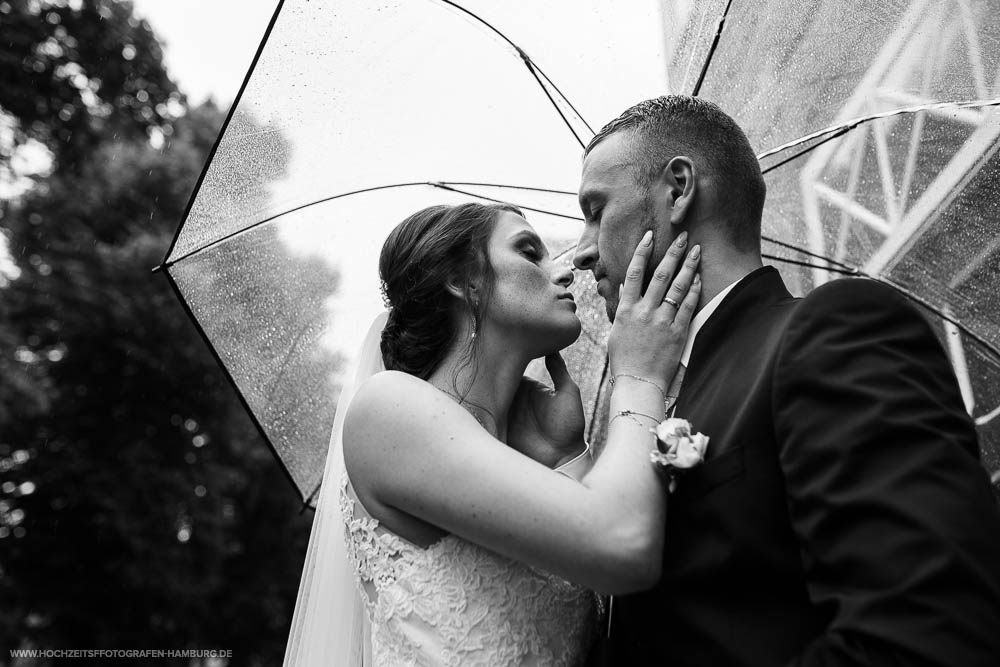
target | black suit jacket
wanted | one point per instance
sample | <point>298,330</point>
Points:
<point>842,516</point>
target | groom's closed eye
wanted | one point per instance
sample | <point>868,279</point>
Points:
<point>591,206</point>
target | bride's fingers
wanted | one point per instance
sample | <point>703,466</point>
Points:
<point>682,282</point>
<point>657,288</point>
<point>561,379</point>
<point>688,306</point>
<point>632,287</point>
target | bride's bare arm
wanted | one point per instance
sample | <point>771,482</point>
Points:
<point>415,449</point>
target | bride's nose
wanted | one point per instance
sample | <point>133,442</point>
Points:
<point>564,276</point>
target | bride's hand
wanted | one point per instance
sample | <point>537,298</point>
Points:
<point>546,423</point>
<point>650,329</point>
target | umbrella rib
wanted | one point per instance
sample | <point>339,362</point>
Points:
<point>222,132</point>
<point>510,187</point>
<point>445,186</point>
<point>711,49</point>
<point>846,126</point>
<point>848,268</point>
<point>307,502</point>
<point>937,311</point>
<point>840,132</point>
<point>902,290</point>
<point>283,213</point>
<point>229,376</point>
<point>846,271</point>
<point>437,184</point>
<point>564,98</point>
<point>532,67</point>
<point>486,23</point>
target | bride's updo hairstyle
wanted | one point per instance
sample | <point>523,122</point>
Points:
<point>430,250</point>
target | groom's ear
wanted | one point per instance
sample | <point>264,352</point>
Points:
<point>678,178</point>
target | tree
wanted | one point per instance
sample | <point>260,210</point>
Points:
<point>139,507</point>
<point>75,72</point>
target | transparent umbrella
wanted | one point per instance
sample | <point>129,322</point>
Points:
<point>876,122</point>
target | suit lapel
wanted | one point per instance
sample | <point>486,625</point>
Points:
<point>719,343</point>
<point>758,289</point>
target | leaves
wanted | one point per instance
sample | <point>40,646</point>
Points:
<point>75,72</point>
<point>138,505</point>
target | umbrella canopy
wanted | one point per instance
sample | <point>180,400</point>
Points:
<point>876,123</point>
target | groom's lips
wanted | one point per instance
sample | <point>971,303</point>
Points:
<point>602,283</point>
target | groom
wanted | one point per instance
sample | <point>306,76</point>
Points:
<point>841,516</point>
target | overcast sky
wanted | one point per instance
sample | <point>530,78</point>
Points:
<point>208,44</point>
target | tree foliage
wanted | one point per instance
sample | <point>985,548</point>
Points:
<point>139,507</point>
<point>75,71</point>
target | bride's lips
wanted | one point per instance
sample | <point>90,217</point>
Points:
<point>566,296</point>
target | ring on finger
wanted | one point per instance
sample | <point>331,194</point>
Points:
<point>673,303</point>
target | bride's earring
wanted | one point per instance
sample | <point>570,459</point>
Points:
<point>475,304</point>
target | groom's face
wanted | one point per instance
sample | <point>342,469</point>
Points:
<point>617,211</point>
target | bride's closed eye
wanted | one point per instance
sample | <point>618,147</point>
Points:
<point>532,252</point>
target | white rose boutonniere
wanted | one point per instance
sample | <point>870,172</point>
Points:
<point>678,449</point>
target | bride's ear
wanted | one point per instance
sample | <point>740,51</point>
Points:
<point>461,288</point>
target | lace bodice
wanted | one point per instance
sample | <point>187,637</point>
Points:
<point>457,604</point>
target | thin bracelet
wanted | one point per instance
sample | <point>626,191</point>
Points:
<point>636,377</point>
<point>632,414</point>
<point>666,401</point>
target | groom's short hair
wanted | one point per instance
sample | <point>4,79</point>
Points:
<point>665,127</point>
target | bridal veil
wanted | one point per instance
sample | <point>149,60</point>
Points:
<point>330,626</point>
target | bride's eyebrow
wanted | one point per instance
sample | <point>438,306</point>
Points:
<point>527,235</point>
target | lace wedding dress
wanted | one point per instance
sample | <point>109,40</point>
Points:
<point>376,599</point>
<point>455,603</point>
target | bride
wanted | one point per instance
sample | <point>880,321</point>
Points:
<point>461,519</point>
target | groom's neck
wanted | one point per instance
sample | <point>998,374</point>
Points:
<point>721,266</point>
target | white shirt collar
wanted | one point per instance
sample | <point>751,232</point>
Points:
<point>701,317</point>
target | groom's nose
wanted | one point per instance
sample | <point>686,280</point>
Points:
<point>586,250</point>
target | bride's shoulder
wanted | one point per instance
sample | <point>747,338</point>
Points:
<point>391,386</point>
<point>387,398</point>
